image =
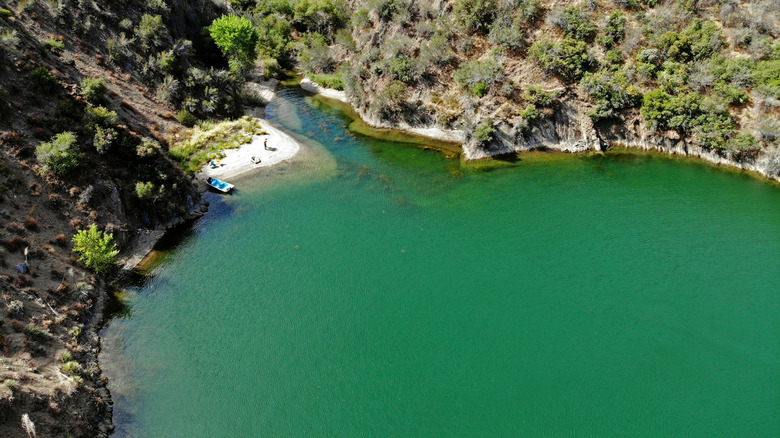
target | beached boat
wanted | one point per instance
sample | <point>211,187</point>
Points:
<point>222,186</point>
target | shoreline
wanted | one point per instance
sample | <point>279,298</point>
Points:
<point>759,166</point>
<point>239,161</point>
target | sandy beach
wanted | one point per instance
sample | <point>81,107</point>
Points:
<point>239,161</point>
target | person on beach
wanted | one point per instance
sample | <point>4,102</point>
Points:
<point>265,145</point>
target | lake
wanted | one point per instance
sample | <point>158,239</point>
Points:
<point>380,289</point>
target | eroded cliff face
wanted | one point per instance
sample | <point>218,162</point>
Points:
<point>570,129</point>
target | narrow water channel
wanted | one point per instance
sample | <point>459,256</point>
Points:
<point>378,289</point>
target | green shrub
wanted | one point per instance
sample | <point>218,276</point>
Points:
<point>101,116</point>
<point>237,38</point>
<point>144,190</point>
<point>475,15</point>
<point>391,99</point>
<point>43,80</point>
<point>479,89</point>
<point>743,141</point>
<point>5,13</point>
<point>574,23</point>
<point>147,148</point>
<point>321,16</point>
<point>94,90</point>
<point>104,138</point>
<point>54,45</point>
<point>314,54</point>
<point>151,27</point>
<point>335,81</point>
<point>614,30</point>
<point>700,40</point>
<point>473,73</point>
<point>611,92</point>
<point>529,113</point>
<point>568,59</point>
<point>689,113</point>
<point>11,384</point>
<point>186,118</point>
<point>484,133</point>
<point>508,33</point>
<point>274,36</point>
<point>71,368</point>
<point>538,97</point>
<point>66,357</point>
<point>60,154</point>
<point>96,249</point>
<point>400,69</point>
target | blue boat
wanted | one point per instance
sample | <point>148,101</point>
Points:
<point>222,186</point>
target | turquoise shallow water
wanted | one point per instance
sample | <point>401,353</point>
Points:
<point>400,294</point>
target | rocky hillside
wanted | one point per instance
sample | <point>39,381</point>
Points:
<point>686,76</point>
<point>91,96</point>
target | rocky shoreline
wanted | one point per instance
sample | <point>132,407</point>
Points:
<point>570,130</point>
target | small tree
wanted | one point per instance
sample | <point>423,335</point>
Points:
<point>237,38</point>
<point>93,89</point>
<point>60,154</point>
<point>96,249</point>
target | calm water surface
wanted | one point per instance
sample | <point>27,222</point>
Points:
<point>395,292</point>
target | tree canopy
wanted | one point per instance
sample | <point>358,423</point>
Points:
<point>237,38</point>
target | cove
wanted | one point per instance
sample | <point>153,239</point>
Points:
<point>380,289</point>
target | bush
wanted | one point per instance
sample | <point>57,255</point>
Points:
<point>574,23</point>
<point>104,138</point>
<point>335,81</point>
<point>54,45</point>
<point>508,33</point>
<point>100,116</point>
<point>147,148</point>
<point>237,38</point>
<point>60,154</point>
<point>743,141</point>
<point>613,30</point>
<point>43,80</point>
<point>700,40</point>
<point>94,90</point>
<point>568,59</point>
<point>529,113</point>
<point>478,75</point>
<point>611,91</point>
<point>475,15</point>
<point>71,368</point>
<point>186,118</point>
<point>539,97</point>
<point>391,99</point>
<point>314,54</point>
<point>151,27</point>
<point>144,190</point>
<point>96,249</point>
<point>485,132</point>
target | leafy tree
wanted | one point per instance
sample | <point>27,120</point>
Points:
<point>237,38</point>
<point>611,90</point>
<point>568,59</point>
<point>96,249</point>
<point>60,154</point>
<point>700,40</point>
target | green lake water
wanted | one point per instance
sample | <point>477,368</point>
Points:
<point>379,289</point>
